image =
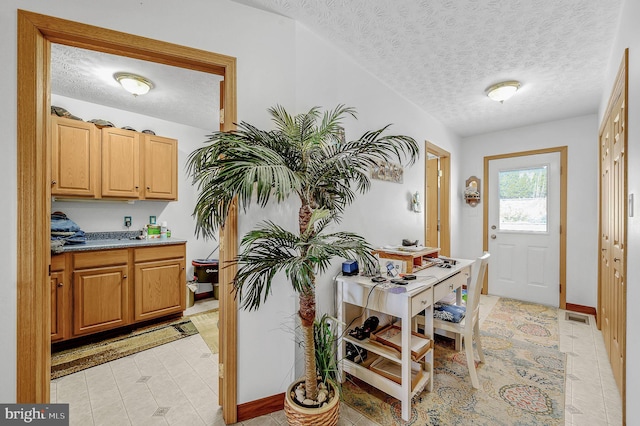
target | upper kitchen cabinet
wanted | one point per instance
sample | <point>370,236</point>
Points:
<point>75,150</point>
<point>120,163</point>
<point>160,167</point>
<point>111,163</point>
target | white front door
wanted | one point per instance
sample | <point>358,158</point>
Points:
<point>524,228</point>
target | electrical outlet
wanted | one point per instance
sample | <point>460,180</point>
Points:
<point>152,220</point>
<point>127,221</point>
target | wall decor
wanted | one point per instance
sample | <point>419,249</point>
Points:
<point>341,135</point>
<point>390,172</point>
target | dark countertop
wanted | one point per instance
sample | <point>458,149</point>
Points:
<point>105,244</point>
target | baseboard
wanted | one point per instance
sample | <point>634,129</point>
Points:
<point>260,407</point>
<point>582,309</point>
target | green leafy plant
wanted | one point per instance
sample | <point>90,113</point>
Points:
<point>325,339</point>
<point>304,156</point>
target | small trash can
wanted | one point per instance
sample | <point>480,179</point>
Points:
<point>191,294</point>
<point>205,270</point>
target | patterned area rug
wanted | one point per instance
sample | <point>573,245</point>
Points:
<point>521,383</point>
<point>89,355</point>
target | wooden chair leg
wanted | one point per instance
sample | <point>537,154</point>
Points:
<point>476,333</point>
<point>468,346</point>
<point>458,339</point>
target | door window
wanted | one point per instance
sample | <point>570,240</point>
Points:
<point>523,199</point>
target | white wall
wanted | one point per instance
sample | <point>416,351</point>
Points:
<point>327,77</point>
<point>263,44</point>
<point>580,134</point>
<point>628,36</point>
<point>102,216</point>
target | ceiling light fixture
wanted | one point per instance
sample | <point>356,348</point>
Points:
<point>500,92</point>
<point>133,83</point>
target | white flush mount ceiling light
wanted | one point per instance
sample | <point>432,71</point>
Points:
<point>500,92</point>
<point>133,83</point>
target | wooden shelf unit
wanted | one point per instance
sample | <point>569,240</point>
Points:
<point>414,260</point>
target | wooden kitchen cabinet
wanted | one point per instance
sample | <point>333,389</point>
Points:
<point>160,157</point>
<point>120,163</point>
<point>115,287</point>
<point>75,152</point>
<point>100,291</point>
<point>112,163</point>
<point>159,282</point>
<point>59,299</point>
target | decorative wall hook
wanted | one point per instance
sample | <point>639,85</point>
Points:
<point>472,191</point>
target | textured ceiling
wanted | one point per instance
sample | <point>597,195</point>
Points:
<point>439,54</point>
<point>443,54</point>
<point>182,96</point>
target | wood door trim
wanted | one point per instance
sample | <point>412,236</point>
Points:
<point>35,34</point>
<point>445,192</point>
<point>563,150</point>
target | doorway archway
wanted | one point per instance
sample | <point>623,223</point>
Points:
<point>35,34</point>
<point>437,191</point>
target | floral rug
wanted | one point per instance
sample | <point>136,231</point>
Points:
<point>521,383</point>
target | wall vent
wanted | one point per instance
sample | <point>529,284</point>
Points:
<point>572,316</point>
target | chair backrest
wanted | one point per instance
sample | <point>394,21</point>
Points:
<point>474,288</point>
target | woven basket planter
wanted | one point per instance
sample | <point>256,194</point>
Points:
<point>303,416</point>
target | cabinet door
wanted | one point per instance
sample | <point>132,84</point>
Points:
<point>58,306</point>
<point>100,300</point>
<point>160,168</point>
<point>159,288</point>
<point>120,163</point>
<point>75,155</point>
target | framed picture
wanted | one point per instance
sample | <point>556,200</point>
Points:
<point>390,172</point>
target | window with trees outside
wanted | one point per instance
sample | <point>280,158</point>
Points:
<point>523,199</point>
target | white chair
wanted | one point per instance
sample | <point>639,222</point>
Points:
<point>469,327</point>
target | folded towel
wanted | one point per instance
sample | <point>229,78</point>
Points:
<point>61,223</point>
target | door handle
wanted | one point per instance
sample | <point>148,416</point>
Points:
<point>493,236</point>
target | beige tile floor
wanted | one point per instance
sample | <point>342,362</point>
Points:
<point>176,384</point>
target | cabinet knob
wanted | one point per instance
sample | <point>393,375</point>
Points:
<point>60,284</point>
<point>54,182</point>
<point>137,187</point>
<point>124,276</point>
<point>424,302</point>
<point>148,188</point>
<point>615,259</point>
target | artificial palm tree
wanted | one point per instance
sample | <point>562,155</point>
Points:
<point>305,156</point>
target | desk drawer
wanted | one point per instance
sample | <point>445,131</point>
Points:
<point>442,289</point>
<point>421,301</point>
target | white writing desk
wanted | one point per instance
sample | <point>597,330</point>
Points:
<point>359,297</point>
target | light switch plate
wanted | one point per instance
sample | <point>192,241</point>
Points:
<point>127,221</point>
<point>152,220</point>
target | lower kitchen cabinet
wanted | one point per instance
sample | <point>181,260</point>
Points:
<point>59,299</point>
<point>155,291</point>
<point>100,291</point>
<point>114,288</point>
